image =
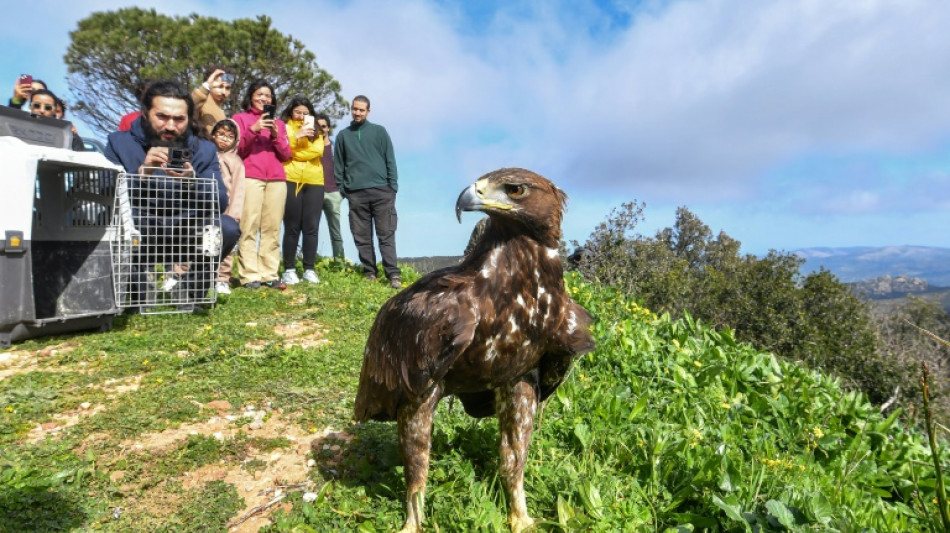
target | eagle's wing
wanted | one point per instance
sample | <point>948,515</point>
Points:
<point>417,336</point>
<point>572,339</point>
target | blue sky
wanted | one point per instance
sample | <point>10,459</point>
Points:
<point>786,124</point>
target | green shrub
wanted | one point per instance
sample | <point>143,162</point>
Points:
<point>685,269</point>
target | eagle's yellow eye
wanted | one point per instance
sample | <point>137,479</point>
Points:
<point>515,191</point>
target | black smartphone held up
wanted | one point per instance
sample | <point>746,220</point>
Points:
<point>270,109</point>
<point>177,157</point>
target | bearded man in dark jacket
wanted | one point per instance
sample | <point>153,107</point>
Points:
<point>165,208</point>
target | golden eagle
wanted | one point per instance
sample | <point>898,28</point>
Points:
<point>498,331</point>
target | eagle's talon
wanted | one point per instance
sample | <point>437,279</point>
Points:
<point>520,523</point>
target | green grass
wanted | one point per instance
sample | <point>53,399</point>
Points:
<point>667,426</point>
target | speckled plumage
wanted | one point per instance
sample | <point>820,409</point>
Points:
<point>498,331</point>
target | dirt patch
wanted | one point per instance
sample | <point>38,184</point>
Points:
<point>68,419</point>
<point>116,387</point>
<point>257,345</point>
<point>63,421</point>
<point>306,334</point>
<point>261,478</point>
<point>17,362</point>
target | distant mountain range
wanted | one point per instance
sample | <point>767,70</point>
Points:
<point>859,263</point>
<point>850,265</point>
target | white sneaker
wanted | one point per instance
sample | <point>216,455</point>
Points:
<point>310,276</point>
<point>222,287</point>
<point>290,277</point>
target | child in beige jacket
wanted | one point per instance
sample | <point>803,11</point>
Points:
<point>226,135</point>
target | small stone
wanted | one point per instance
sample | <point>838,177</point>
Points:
<point>257,424</point>
<point>231,418</point>
<point>275,456</point>
<point>220,405</point>
<point>311,463</point>
<point>219,435</point>
<point>249,408</point>
<point>310,497</point>
<point>85,405</point>
<point>335,448</point>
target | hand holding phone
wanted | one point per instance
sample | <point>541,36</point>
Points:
<point>270,109</point>
<point>23,88</point>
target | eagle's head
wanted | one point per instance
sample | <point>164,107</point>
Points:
<point>517,197</point>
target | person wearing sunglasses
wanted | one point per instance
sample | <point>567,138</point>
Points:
<point>43,103</point>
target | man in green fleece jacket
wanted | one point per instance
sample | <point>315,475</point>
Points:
<point>364,166</point>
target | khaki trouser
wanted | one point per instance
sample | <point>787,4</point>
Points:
<point>262,215</point>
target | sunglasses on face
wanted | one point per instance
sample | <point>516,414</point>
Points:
<point>44,107</point>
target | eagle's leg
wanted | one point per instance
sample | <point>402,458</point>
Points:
<point>415,440</point>
<point>516,405</point>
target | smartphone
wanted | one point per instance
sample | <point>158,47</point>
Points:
<point>308,121</point>
<point>270,109</point>
<point>25,79</point>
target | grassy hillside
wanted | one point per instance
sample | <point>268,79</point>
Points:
<point>239,418</point>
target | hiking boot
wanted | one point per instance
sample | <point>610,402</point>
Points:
<point>395,283</point>
<point>276,284</point>
<point>370,278</point>
<point>252,285</point>
<point>310,276</point>
<point>222,287</point>
<point>290,277</point>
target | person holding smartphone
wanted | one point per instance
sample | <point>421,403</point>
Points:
<point>264,148</point>
<point>304,189</point>
<point>23,88</point>
<point>211,97</point>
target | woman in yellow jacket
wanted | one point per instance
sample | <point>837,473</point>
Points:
<point>304,190</point>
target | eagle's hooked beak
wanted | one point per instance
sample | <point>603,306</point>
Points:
<point>481,196</point>
<point>468,201</point>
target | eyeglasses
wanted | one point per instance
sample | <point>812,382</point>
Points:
<point>44,107</point>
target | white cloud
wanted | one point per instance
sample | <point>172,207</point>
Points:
<point>699,103</point>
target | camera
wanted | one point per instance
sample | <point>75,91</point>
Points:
<point>177,157</point>
<point>270,109</point>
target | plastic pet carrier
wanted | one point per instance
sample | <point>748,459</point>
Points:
<point>55,263</point>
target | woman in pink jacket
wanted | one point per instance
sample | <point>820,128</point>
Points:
<point>264,148</point>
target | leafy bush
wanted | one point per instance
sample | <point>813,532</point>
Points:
<point>685,269</point>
